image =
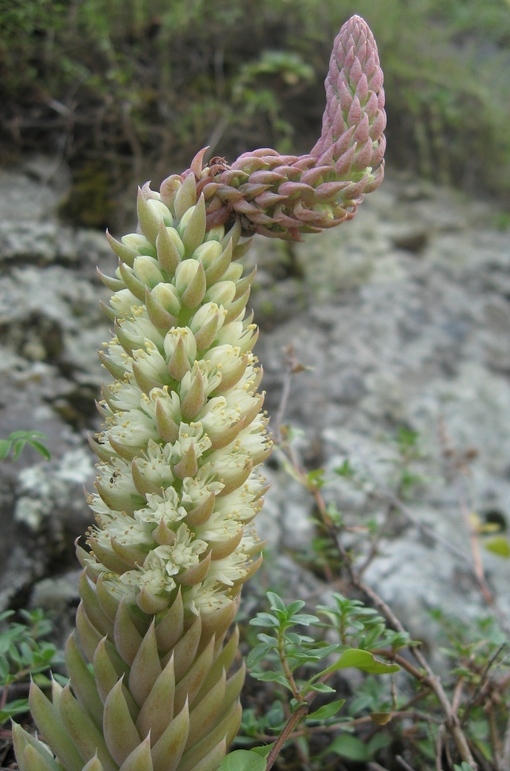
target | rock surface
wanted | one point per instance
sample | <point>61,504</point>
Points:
<point>402,317</point>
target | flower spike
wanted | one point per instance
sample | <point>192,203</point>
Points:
<point>285,196</point>
<point>154,673</point>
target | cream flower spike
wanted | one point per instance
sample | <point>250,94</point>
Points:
<point>155,674</point>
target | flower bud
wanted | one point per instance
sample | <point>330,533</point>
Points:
<point>166,295</point>
<point>190,283</point>
<point>207,253</point>
<point>139,244</point>
<point>146,269</point>
<point>170,249</point>
<point>192,226</point>
<point>180,348</point>
<point>222,293</point>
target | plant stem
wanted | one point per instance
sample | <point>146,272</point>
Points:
<point>292,722</point>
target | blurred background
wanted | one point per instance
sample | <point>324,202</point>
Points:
<point>124,90</point>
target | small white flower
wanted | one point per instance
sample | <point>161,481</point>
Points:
<point>123,396</point>
<point>221,526</point>
<point>140,330</point>
<point>155,466</point>
<point>181,555</point>
<point>164,507</point>
<point>230,569</point>
<point>169,401</point>
<point>124,302</point>
<point>117,475</point>
<point>207,597</point>
<point>243,503</point>
<point>150,362</point>
<point>133,428</point>
<point>195,490</point>
<point>118,355</point>
<point>190,434</point>
<point>154,580</point>
<point>206,313</point>
<point>185,335</point>
<point>124,529</point>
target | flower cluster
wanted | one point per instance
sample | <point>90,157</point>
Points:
<point>183,420</point>
<point>176,491</point>
<point>284,196</point>
<point>150,661</point>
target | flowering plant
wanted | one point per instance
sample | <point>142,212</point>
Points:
<point>154,673</point>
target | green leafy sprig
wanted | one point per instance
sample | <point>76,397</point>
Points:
<point>25,654</point>
<point>16,442</point>
<point>286,655</point>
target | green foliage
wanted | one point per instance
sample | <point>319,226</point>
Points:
<point>24,655</point>
<point>243,760</point>
<point>356,624</point>
<point>293,663</point>
<point>17,441</point>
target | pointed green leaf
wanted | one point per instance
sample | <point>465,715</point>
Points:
<point>327,711</point>
<point>120,732</point>
<point>206,713</point>
<point>127,637</point>
<point>146,668</point>
<point>22,741</point>
<point>47,720</point>
<point>359,659</point>
<point>140,759</point>
<point>186,196</point>
<point>350,747</point>
<point>167,752</point>
<point>83,681</point>
<point>211,760</point>
<point>94,764</point>
<point>36,761</point>
<point>158,709</point>
<point>258,653</point>
<point>85,736</point>
<point>498,544</point>
<point>242,760</point>
<point>194,231</point>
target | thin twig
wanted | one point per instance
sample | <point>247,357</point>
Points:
<point>404,763</point>
<point>292,368</point>
<point>439,747</point>
<point>293,721</point>
<point>505,758</point>
<point>452,721</point>
<point>456,469</point>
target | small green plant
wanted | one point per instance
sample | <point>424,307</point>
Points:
<point>16,442</point>
<point>292,660</point>
<point>25,655</point>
